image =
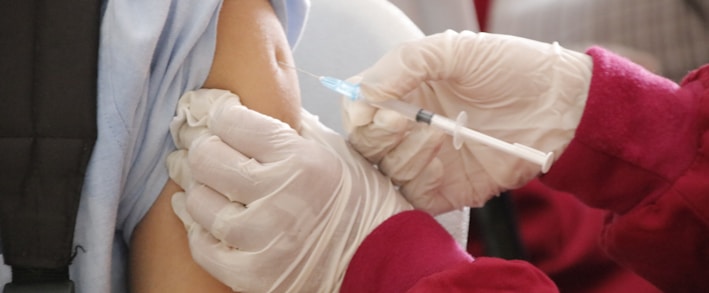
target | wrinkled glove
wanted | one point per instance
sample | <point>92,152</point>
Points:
<point>514,89</point>
<point>267,209</point>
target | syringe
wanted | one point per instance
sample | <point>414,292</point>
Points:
<point>456,129</point>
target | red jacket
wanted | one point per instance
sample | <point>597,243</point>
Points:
<point>638,154</point>
<point>560,236</point>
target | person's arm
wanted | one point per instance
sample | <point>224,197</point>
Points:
<point>250,42</point>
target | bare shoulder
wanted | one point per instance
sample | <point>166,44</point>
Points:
<point>250,43</point>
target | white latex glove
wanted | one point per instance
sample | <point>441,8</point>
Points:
<point>514,89</point>
<point>267,209</point>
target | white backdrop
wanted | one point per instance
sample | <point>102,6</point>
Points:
<point>434,16</point>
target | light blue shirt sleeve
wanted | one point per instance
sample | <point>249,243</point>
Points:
<point>151,52</point>
<point>293,15</point>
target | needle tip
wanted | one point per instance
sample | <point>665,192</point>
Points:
<point>298,69</point>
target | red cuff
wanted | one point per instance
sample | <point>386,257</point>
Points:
<point>404,249</point>
<point>411,252</point>
<point>488,275</point>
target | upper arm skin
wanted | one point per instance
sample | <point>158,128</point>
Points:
<point>250,42</point>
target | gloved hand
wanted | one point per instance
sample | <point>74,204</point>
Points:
<point>514,89</point>
<point>267,209</point>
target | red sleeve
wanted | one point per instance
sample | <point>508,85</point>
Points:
<point>482,12</point>
<point>639,152</point>
<point>560,236</point>
<point>412,252</point>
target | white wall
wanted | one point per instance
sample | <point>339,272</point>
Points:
<point>434,16</point>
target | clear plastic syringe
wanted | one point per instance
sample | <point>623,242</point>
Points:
<point>455,128</point>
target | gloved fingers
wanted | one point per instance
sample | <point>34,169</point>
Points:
<point>223,219</point>
<point>235,176</point>
<point>246,228</point>
<point>204,204</point>
<point>314,131</point>
<point>217,258</point>
<point>242,271</point>
<point>482,67</point>
<point>412,154</point>
<point>436,194</point>
<point>425,191</point>
<point>178,168</point>
<point>468,182</point>
<point>253,134</point>
<point>512,67</point>
<point>356,114</point>
<point>452,180</point>
<point>178,202</point>
<point>404,68</point>
<point>190,121</point>
<point>384,133</point>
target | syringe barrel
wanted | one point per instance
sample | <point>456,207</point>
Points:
<point>409,111</point>
<point>544,160</point>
